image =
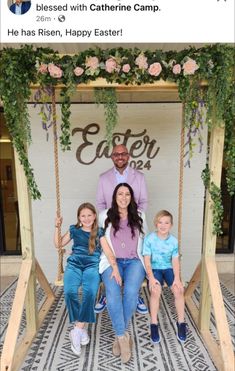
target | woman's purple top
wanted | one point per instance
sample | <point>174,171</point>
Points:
<point>123,244</point>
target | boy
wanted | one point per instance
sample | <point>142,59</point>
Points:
<point>161,258</point>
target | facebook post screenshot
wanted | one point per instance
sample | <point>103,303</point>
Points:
<point>117,206</point>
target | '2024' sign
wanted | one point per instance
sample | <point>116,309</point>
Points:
<point>138,145</point>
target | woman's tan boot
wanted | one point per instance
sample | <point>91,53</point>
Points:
<point>116,347</point>
<point>124,343</point>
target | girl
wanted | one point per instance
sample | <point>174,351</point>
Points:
<point>124,230</point>
<point>161,260</point>
<point>83,270</point>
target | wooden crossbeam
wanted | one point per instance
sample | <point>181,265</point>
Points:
<point>159,85</point>
<point>43,281</point>
<point>193,283</point>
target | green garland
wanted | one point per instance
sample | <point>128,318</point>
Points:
<point>65,141</point>
<point>19,68</point>
<point>229,142</point>
<point>17,73</point>
<point>215,193</point>
<point>107,97</point>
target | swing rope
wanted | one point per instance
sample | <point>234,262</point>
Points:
<point>181,181</point>
<point>60,270</point>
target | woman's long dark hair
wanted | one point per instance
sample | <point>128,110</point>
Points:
<point>134,219</point>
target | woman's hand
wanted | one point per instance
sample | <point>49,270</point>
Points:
<point>116,275</point>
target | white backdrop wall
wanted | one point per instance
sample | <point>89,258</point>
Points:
<point>156,127</point>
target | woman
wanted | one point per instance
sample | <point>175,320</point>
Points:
<point>124,232</point>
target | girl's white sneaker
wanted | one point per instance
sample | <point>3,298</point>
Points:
<point>75,338</point>
<point>84,337</point>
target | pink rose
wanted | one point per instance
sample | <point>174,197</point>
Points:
<point>92,63</point>
<point>126,68</point>
<point>78,71</point>
<point>55,71</point>
<point>155,69</point>
<point>190,67</point>
<point>176,69</point>
<point>141,62</point>
<point>111,65</point>
<point>42,68</point>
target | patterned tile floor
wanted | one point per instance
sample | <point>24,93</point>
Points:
<point>51,348</point>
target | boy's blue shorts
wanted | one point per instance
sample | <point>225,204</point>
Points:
<point>166,275</point>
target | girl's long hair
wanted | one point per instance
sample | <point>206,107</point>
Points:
<point>94,228</point>
<point>134,219</point>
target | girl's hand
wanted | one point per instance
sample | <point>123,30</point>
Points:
<point>58,221</point>
<point>116,275</point>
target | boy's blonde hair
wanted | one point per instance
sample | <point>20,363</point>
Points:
<point>162,213</point>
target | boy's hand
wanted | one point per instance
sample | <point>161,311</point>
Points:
<point>153,283</point>
<point>178,284</point>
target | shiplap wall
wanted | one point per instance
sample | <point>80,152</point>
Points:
<point>162,122</point>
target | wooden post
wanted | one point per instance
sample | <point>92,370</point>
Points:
<point>221,351</point>
<point>10,342</point>
<point>209,239</point>
<point>226,347</point>
<point>26,288</point>
<point>14,353</point>
<point>27,243</point>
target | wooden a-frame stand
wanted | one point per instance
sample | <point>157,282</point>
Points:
<point>206,272</point>
<point>14,353</point>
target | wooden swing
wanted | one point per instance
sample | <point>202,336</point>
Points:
<point>60,269</point>
<point>13,354</point>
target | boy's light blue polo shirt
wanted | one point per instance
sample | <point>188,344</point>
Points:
<point>161,251</point>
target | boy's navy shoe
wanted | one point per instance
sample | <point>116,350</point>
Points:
<point>101,305</point>
<point>181,331</point>
<point>141,307</point>
<point>155,337</point>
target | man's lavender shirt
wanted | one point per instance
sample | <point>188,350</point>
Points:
<point>107,183</point>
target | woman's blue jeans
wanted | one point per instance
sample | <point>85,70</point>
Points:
<point>122,301</point>
<point>89,280</point>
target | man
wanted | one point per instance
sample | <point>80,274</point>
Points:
<point>121,173</point>
<point>20,7</point>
